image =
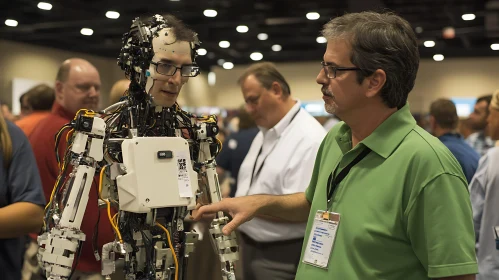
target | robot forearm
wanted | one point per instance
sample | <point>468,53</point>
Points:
<point>225,246</point>
<point>62,241</point>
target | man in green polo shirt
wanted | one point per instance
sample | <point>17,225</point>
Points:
<point>386,200</point>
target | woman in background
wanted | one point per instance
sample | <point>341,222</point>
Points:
<point>21,198</point>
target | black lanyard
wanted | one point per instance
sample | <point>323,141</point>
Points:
<point>253,175</point>
<point>332,184</point>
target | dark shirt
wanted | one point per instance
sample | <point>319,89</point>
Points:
<point>234,151</point>
<point>19,183</point>
<point>466,156</point>
<point>43,142</point>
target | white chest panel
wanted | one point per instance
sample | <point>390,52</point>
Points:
<point>158,174</point>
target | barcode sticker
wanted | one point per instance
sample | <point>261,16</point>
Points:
<point>184,181</point>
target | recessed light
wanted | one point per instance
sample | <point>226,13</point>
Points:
<point>86,31</point>
<point>262,36</point>
<point>321,40</point>
<point>11,22</point>
<point>276,48</point>
<point>224,44</point>
<point>256,56</point>
<point>112,14</point>
<point>221,62</point>
<point>210,13</point>
<point>313,16</point>
<point>228,65</point>
<point>468,17</point>
<point>419,29</point>
<point>242,29</point>
<point>495,47</point>
<point>438,57</point>
<point>429,44</point>
<point>202,51</point>
<point>44,6</point>
<point>212,78</point>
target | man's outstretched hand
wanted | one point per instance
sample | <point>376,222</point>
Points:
<point>242,209</point>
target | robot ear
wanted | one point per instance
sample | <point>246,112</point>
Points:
<point>148,74</point>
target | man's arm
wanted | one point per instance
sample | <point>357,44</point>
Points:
<point>19,219</point>
<point>290,208</point>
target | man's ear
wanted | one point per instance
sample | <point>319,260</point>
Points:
<point>276,88</point>
<point>375,83</point>
<point>59,90</point>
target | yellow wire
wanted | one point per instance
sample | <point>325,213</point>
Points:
<point>115,219</point>
<point>115,227</point>
<point>221,145</point>
<point>171,248</point>
<point>67,135</point>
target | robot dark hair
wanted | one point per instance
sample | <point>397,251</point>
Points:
<point>138,50</point>
<point>154,160</point>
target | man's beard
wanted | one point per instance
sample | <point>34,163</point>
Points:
<point>331,109</point>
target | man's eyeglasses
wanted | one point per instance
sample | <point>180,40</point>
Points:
<point>331,70</point>
<point>170,70</point>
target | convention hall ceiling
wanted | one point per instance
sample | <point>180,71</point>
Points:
<point>290,34</point>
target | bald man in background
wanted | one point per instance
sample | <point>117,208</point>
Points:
<point>77,86</point>
<point>118,90</point>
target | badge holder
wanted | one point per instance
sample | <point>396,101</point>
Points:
<point>321,239</point>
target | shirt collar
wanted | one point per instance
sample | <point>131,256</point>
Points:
<point>385,138</point>
<point>285,121</point>
<point>58,110</point>
<point>450,135</point>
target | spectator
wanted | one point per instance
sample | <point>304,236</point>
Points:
<point>443,122</point>
<point>39,100</point>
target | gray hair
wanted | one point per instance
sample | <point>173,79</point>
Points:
<point>266,73</point>
<point>380,41</point>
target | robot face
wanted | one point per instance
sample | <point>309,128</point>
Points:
<point>170,56</point>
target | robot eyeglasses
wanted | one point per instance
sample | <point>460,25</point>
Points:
<point>170,70</point>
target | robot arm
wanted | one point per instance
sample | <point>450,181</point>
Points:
<point>225,246</point>
<point>62,236</point>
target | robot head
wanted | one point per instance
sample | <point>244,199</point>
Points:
<point>158,56</point>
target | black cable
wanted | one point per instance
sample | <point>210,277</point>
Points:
<point>78,253</point>
<point>95,236</point>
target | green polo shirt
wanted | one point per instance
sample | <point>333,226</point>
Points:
<point>405,208</point>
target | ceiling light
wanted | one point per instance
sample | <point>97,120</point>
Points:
<point>242,29</point>
<point>202,51</point>
<point>44,6</point>
<point>228,65</point>
<point>112,14</point>
<point>313,16</point>
<point>429,44</point>
<point>86,31</point>
<point>321,40</point>
<point>276,48</point>
<point>495,47</point>
<point>224,44</point>
<point>11,22</point>
<point>419,29</point>
<point>438,57</point>
<point>212,78</point>
<point>220,62</point>
<point>262,36</point>
<point>210,13</point>
<point>468,16</point>
<point>256,56</point>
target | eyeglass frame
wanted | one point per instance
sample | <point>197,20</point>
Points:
<point>156,64</point>
<point>336,68</point>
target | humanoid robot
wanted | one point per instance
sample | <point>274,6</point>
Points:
<point>154,161</point>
